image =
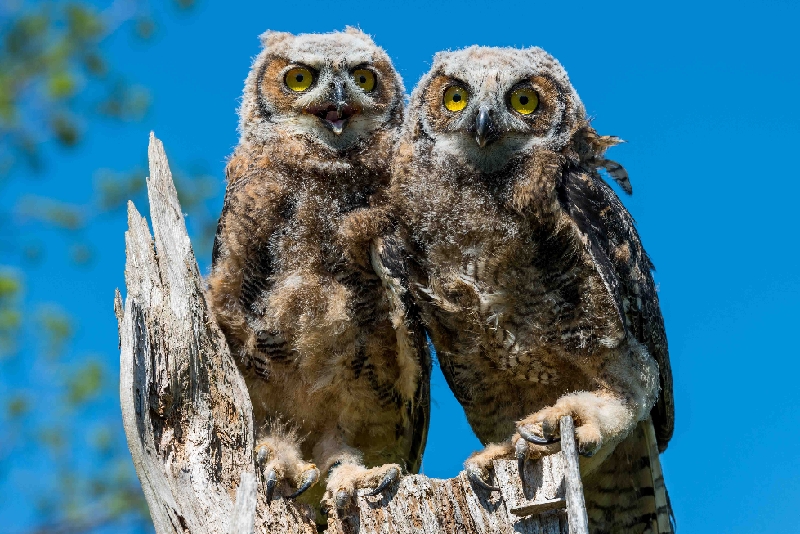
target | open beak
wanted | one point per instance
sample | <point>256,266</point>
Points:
<point>334,113</point>
<point>484,127</point>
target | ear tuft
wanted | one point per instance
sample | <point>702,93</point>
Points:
<point>358,32</point>
<point>271,38</point>
<point>353,30</point>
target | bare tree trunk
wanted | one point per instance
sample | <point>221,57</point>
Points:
<point>185,405</point>
<point>188,417</point>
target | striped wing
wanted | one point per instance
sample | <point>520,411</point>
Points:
<point>610,235</point>
<point>389,261</point>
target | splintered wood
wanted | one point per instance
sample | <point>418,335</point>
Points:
<point>421,504</point>
<point>185,407</point>
<point>188,419</point>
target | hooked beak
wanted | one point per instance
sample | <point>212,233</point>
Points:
<point>334,113</point>
<point>484,127</point>
<point>338,95</point>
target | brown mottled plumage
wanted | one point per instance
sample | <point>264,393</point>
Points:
<point>310,298</point>
<point>531,276</point>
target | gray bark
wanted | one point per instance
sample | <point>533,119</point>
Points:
<point>185,407</point>
<point>188,417</point>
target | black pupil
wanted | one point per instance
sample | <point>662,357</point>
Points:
<point>299,78</point>
<point>457,97</point>
<point>362,79</point>
<point>523,100</point>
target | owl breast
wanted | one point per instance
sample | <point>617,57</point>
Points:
<point>511,300</point>
<point>529,288</point>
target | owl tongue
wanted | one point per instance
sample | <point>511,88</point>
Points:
<point>336,121</point>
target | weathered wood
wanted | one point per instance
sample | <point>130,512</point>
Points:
<point>539,507</point>
<point>185,406</point>
<point>431,506</point>
<point>576,506</point>
<point>188,418</point>
<point>244,511</point>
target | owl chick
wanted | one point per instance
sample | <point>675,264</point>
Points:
<point>309,296</point>
<point>531,276</point>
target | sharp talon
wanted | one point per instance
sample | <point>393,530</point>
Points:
<point>261,457</point>
<point>550,429</point>
<point>522,453</point>
<point>476,478</point>
<point>588,454</point>
<point>391,476</point>
<point>310,478</point>
<point>342,498</point>
<point>272,481</point>
<point>533,438</point>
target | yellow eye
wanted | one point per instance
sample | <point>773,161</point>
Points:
<point>524,101</point>
<point>298,79</point>
<point>365,79</point>
<point>455,98</point>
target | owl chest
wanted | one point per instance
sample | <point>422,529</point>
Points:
<point>309,300</point>
<point>529,302</point>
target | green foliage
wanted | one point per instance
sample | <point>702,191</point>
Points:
<point>10,312</point>
<point>114,189</point>
<point>49,52</point>
<point>55,84</point>
<point>55,328</point>
<point>51,212</point>
<point>85,383</point>
<point>50,55</point>
<point>17,406</point>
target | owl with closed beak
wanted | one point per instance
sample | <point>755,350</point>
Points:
<point>532,279</point>
<point>311,298</point>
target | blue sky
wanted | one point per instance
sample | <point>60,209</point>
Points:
<point>705,93</point>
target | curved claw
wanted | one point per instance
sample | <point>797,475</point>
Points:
<point>272,481</point>
<point>522,455</point>
<point>310,478</point>
<point>342,498</point>
<point>261,457</point>
<point>476,478</point>
<point>533,438</point>
<point>389,478</point>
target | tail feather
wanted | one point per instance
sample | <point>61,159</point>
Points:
<point>626,493</point>
<point>665,517</point>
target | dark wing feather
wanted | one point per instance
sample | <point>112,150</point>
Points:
<point>389,260</point>
<point>216,250</point>
<point>251,279</point>
<point>611,238</point>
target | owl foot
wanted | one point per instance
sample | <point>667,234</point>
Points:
<point>479,465</point>
<point>345,479</point>
<point>598,420</point>
<point>279,461</point>
<point>531,449</point>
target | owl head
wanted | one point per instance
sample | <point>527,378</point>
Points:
<point>484,106</point>
<point>330,90</point>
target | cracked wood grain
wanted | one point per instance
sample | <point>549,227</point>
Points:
<point>185,407</point>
